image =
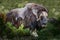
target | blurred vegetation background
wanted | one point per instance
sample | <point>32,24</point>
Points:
<point>51,32</point>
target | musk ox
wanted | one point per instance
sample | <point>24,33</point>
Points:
<point>33,16</point>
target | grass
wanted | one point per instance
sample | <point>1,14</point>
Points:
<point>51,32</point>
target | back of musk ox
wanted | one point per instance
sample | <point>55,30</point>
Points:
<point>33,16</point>
<point>17,16</point>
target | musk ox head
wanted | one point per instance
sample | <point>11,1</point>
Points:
<point>43,19</point>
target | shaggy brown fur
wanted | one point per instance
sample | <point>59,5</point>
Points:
<point>29,17</point>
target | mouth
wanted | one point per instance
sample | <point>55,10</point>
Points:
<point>43,26</point>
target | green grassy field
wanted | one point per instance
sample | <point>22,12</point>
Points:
<point>51,5</point>
<point>51,32</point>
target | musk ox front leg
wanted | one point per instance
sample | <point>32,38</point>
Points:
<point>31,23</point>
<point>32,26</point>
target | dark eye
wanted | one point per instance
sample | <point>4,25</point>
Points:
<point>42,17</point>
